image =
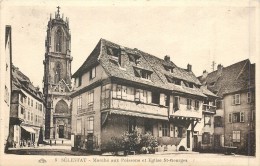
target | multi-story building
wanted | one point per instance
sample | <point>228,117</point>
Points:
<point>27,111</point>
<point>5,87</point>
<point>57,78</point>
<point>118,89</point>
<point>235,118</point>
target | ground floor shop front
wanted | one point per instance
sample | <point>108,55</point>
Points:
<point>25,135</point>
<point>171,135</point>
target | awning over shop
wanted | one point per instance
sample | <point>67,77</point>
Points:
<point>29,129</point>
<point>131,113</point>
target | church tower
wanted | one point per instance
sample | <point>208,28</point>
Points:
<point>57,78</point>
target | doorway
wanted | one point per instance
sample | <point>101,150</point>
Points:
<point>61,131</point>
<point>195,143</point>
<point>217,141</point>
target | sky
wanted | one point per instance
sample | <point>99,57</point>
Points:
<point>194,34</point>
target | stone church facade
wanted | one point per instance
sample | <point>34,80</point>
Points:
<point>57,78</point>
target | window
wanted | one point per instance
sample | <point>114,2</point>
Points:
<point>165,129</point>
<point>90,100</point>
<point>36,105</point>
<point>134,58</point>
<point>21,98</point>
<point>58,40</point>
<point>92,73</point>
<point>197,105</point>
<point>22,110</point>
<point>25,114</point>
<point>29,115</point>
<point>80,80</point>
<point>124,92</point>
<point>29,101</point>
<point>32,117</point>
<point>236,99</point>
<point>168,68</point>
<point>32,102</point>
<point>142,73</point>
<point>106,91</point>
<point>79,103</point>
<point>155,97</point>
<point>58,73</point>
<point>207,120</point>
<point>90,123</point>
<point>40,105</point>
<point>189,104</point>
<point>206,138</point>
<point>146,75</point>
<point>218,121</point>
<point>236,136</point>
<point>219,104</point>
<point>238,117</point>
<point>137,94</point>
<point>248,97</point>
<point>119,91</point>
<point>176,104</point>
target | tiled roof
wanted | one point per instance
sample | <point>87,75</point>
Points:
<point>21,81</point>
<point>156,66</point>
<point>231,78</point>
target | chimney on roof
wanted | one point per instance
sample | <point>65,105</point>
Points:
<point>167,58</point>
<point>219,71</point>
<point>220,66</point>
<point>189,67</point>
<point>205,74</point>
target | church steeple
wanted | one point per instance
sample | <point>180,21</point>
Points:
<point>57,73</point>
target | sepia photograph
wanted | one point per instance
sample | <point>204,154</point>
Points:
<point>129,82</point>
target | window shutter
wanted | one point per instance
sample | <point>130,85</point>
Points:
<point>242,117</point>
<point>171,103</point>
<point>137,94</point>
<point>160,129</point>
<point>233,100</point>
<point>162,99</point>
<point>124,92</point>
<point>141,95</point>
<point>149,97</point>
<point>171,130</point>
<point>114,91</point>
<point>119,91</point>
<point>238,136</point>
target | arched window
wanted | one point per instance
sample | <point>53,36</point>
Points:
<point>61,107</point>
<point>58,73</point>
<point>58,40</point>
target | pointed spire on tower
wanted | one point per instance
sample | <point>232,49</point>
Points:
<point>58,12</point>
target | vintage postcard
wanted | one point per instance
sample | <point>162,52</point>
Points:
<point>129,82</point>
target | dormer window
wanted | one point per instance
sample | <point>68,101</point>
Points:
<point>173,80</point>
<point>212,84</point>
<point>168,68</point>
<point>134,58</point>
<point>142,73</point>
<point>115,54</point>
